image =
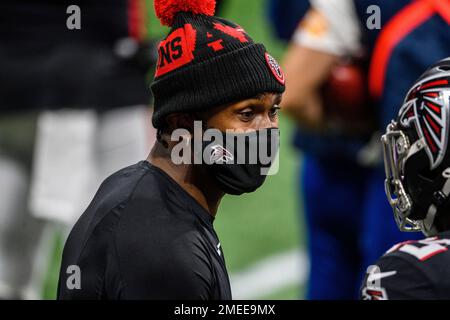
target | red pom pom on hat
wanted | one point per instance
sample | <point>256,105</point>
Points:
<point>166,10</point>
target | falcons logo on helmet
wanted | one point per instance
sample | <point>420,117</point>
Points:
<point>220,155</point>
<point>427,107</point>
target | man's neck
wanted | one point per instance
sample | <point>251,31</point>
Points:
<point>200,187</point>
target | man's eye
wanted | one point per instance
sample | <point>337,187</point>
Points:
<point>274,111</point>
<point>247,115</point>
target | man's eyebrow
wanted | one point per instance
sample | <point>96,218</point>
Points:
<point>261,96</point>
<point>278,99</point>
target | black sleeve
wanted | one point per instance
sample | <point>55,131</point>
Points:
<point>396,278</point>
<point>172,270</point>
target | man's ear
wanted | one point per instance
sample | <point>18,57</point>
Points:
<point>180,121</point>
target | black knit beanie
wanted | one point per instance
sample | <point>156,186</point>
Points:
<point>206,62</point>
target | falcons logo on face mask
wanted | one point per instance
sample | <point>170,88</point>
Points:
<point>220,155</point>
<point>427,107</point>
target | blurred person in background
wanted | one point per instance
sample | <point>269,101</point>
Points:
<point>335,56</point>
<point>73,109</point>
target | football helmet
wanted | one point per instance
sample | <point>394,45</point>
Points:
<point>416,155</point>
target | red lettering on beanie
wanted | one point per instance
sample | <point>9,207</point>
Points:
<point>176,50</point>
<point>216,45</point>
<point>237,33</point>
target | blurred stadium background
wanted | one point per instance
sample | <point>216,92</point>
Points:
<point>262,234</point>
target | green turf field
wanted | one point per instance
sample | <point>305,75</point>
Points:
<point>255,226</point>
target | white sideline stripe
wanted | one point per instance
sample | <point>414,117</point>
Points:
<point>270,275</point>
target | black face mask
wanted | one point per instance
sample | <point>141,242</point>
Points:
<point>240,162</point>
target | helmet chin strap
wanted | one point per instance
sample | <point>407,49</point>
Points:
<point>427,225</point>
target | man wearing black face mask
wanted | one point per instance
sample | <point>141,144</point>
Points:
<point>148,233</point>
